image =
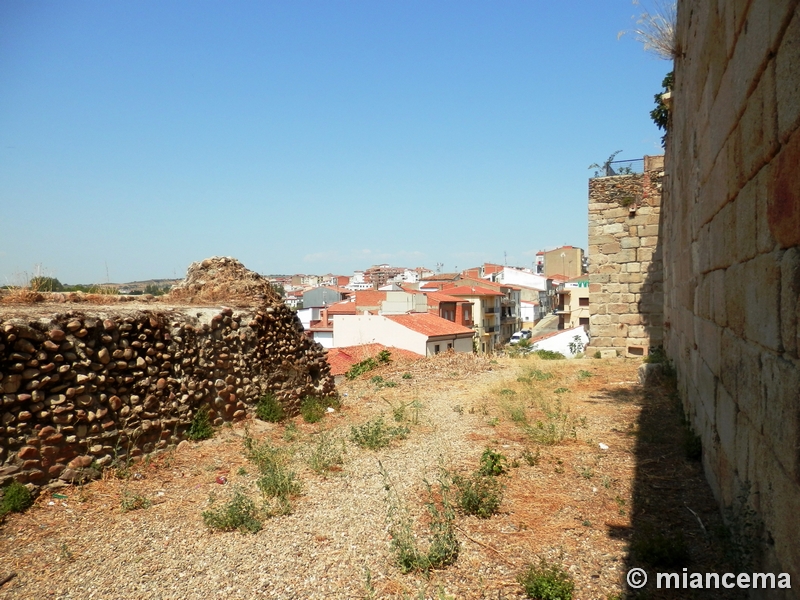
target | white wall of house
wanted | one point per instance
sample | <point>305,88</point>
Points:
<point>306,315</point>
<point>461,344</point>
<point>324,338</point>
<point>400,303</point>
<point>510,276</point>
<point>356,330</point>
<point>561,341</point>
<point>530,312</point>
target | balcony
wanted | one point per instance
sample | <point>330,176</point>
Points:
<point>491,311</point>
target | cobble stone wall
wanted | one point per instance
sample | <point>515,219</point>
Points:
<point>625,266</point>
<point>83,388</point>
<point>732,264</point>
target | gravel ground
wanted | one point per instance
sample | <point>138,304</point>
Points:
<point>335,544</point>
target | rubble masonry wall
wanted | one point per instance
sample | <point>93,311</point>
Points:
<point>83,388</point>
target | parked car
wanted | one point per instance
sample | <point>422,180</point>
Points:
<point>522,334</point>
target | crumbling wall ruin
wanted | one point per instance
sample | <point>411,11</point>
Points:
<point>80,389</point>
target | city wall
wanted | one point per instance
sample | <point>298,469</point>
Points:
<point>625,265</point>
<point>730,238</point>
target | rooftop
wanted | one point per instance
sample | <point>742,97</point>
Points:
<point>430,325</point>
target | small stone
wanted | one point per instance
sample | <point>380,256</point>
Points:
<point>28,453</point>
<point>57,335</point>
<point>80,462</point>
<point>103,356</point>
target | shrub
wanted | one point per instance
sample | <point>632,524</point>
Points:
<point>492,463</point>
<point>327,453</point>
<point>557,425</point>
<point>547,581</point>
<point>277,483</point>
<point>549,355</point>
<point>201,428</point>
<point>383,357</point>
<point>239,513</point>
<point>478,495</point>
<point>443,548</point>
<point>134,502</point>
<point>375,434</point>
<point>16,498</point>
<point>312,409</point>
<point>269,409</point>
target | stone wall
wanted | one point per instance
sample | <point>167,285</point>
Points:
<point>83,388</point>
<point>730,241</point>
<point>625,267</point>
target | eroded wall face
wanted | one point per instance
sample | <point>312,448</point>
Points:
<point>625,267</point>
<point>730,241</point>
<point>79,390</point>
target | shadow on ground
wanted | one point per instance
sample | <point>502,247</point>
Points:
<point>675,521</point>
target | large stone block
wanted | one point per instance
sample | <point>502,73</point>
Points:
<point>709,338</point>
<point>790,299</point>
<point>762,300</point>
<point>787,66</point>
<point>726,423</point>
<point>740,373</point>
<point>783,194</point>
<point>781,381</point>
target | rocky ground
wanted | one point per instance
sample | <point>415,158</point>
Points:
<point>595,463</point>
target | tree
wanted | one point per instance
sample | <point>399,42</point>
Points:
<point>660,114</point>
<point>46,284</point>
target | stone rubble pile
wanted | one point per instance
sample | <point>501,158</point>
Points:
<point>80,390</point>
<point>222,279</point>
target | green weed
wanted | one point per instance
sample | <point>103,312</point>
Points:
<point>375,434</point>
<point>269,409</point>
<point>239,513</point>
<point>16,498</point>
<point>312,409</point>
<point>443,547</point>
<point>547,581</point>
<point>492,463</point>
<point>201,428</point>
<point>276,482</point>
<point>478,495</point>
<point>327,454</point>
<point>134,501</point>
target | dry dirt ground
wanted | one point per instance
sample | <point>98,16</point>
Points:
<point>570,500</point>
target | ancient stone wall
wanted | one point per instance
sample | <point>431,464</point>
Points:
<point>625,267</point>
<point>80,389</point>
<point>730,241</point>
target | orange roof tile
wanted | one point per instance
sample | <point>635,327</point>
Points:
<point>342,308</point>
<point>443,297</point>
<point>369,298</point>
<point>430,325</point>
<point>471,290</point>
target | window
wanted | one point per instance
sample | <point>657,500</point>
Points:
<point>583,301</point>
<point>584,321</point>
<point>436,349</point>
<point>449,346</point>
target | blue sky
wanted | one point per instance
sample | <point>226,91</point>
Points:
<point>308,137</point>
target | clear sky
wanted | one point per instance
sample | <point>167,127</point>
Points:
<point>308,136</point>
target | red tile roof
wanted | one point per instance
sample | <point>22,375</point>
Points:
<point>369,298</point>
<point>430,325</point>
<point>438,297</point>
<point>469,290</point>
<point>341,359</point>
<point>342,308</point>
